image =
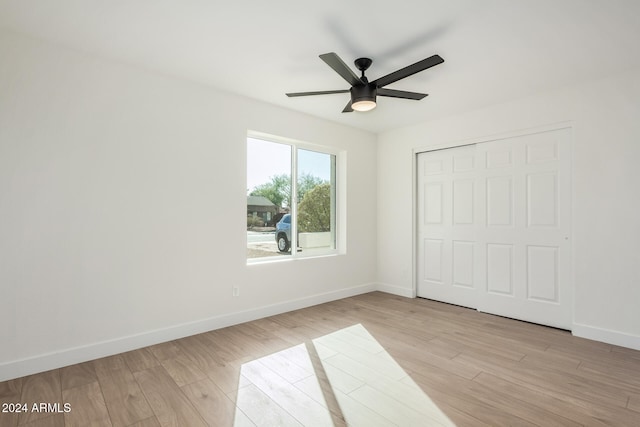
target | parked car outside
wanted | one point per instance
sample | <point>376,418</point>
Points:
<point>283,233</point>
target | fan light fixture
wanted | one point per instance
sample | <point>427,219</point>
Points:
<point>364,105</point>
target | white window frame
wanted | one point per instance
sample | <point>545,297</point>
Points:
<point>337,198</point>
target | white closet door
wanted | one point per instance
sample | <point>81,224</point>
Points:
<point>524,227</point>
<point>494,230</point>
<point>447,215</point>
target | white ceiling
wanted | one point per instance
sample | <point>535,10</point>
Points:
<point>494,50</point>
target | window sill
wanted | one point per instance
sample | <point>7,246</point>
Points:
<point>289,258</point>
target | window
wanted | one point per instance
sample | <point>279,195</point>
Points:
<point>279,224</point>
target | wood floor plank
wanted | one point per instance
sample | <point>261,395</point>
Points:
<point>270,342</point>
<point>477,392</point>
<point>212,403</point>
<point>421,362</point>
<point>581,348</point>
<point>626,353</point>
<point>478,412</point>
<point>77,375</point>
<point>583,383</point>
<point>104,366</point>
<point>373,314</point>
<point>166,350</point>
<point>634,403</point>
<point>227,375</point>
<point>261,410</point>
<point>222,347</point>
<point>290,365</point>
<point>10,418</point>
<point>123,397</point>
<point>149,422</point>
<point>87,406</point>
<point>251,340</point>
<point>140,359</point>
<point>170,405</point>
<point>291,322</point>
<point>520,332</point>
<point>292,335</point>
<point>542,407</point>
<point>55,420</point>
<point>10,392</point>
<point>543,359</point>
<point>629,377</point>
<point>201,352</point>
<point>407,341</point>
<point>40,388</point>
<point>11,387</point>
<point>183,370</point>
<point>358,414</point>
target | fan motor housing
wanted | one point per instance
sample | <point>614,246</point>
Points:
<point>366,92</point>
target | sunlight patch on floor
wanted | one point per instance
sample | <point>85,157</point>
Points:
<point>343,378</point>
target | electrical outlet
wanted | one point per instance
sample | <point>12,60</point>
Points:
<point>236,291</point>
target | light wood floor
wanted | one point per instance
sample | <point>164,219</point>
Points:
<point>373,359</point>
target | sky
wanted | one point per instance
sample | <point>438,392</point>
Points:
<point>266,159</point>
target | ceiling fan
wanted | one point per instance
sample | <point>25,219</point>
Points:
<point>363,92</point>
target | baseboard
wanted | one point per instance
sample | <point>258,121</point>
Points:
<point>608,336</point>
<point>45,362</point>
<point>396,290</point>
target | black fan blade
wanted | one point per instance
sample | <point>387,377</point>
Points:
<point>347,108</point>
<point>324,92</point>
<point>408,71</point>
<point>401,94</point>
<point>341,68</point>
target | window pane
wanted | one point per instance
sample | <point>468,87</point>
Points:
<point>268,198</point>
<point>316,201</point>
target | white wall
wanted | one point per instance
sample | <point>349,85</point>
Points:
<point>605,116</point>
<point>122,209</point>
